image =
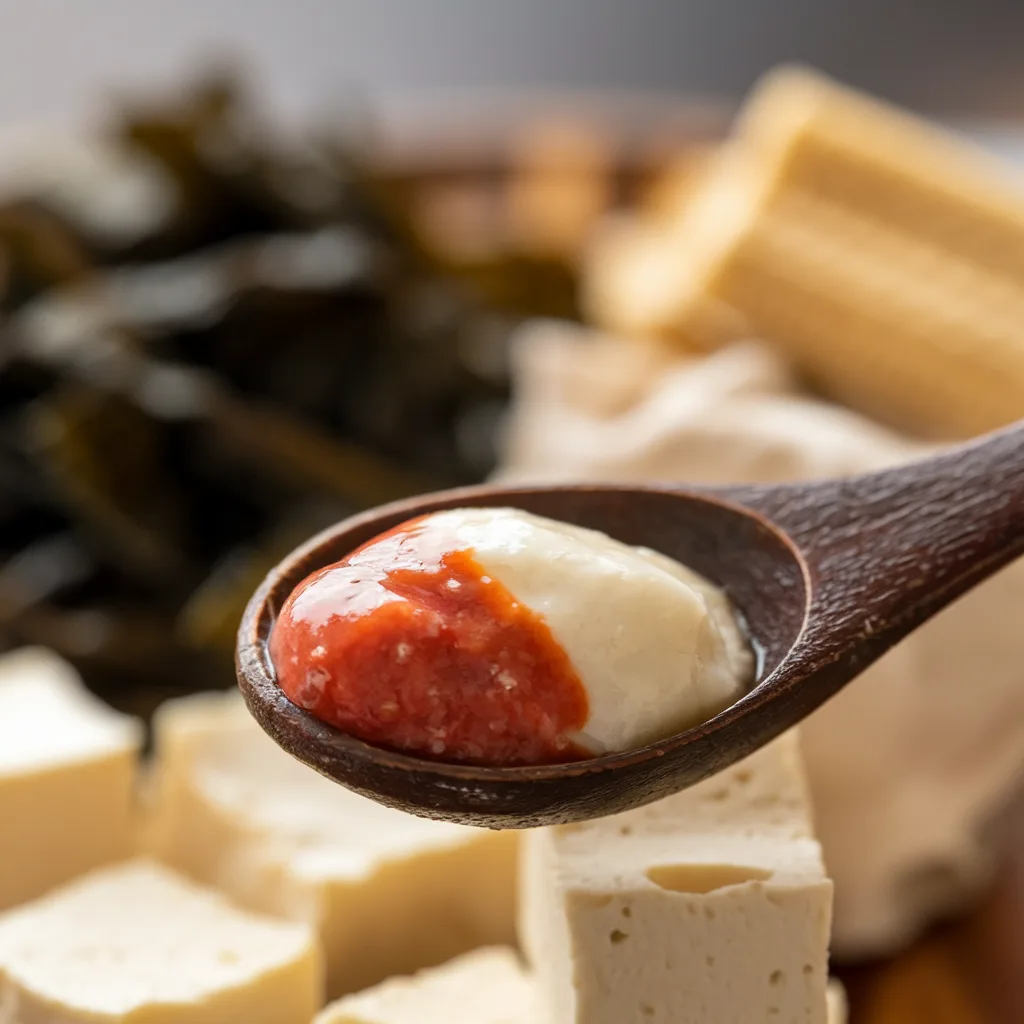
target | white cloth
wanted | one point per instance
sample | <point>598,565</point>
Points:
<point>911,763</point>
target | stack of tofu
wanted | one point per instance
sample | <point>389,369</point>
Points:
<point>225,882</point>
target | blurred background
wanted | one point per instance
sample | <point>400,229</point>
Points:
<point>260,264</point>
<point>152,153</point>
<point>57,60</point>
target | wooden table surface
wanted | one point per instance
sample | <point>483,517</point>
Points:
<point>968,972</point>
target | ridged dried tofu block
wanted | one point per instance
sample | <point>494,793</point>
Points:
<point>137,944</point>
<point>487,986</point>
<point>857,307</point>
<point>67,775</point>
<point>710,906</point>
<point>389,893</point>
<point>881,253</point>
<point>811,135</point>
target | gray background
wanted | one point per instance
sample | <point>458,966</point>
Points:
<point>58,58</point>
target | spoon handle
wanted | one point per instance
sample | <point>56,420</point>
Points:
<point>886,551</point>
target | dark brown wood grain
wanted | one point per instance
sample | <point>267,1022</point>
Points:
<point>828,576</point>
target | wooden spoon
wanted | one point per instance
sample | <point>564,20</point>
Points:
<point>827,576</point>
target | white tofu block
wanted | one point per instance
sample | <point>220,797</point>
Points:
<point>67,776</point>
<point>389,893</point>
<point>138,944</point>
<point>487,986</point>
<point>709,907</point>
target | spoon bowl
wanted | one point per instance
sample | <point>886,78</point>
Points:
<point>825,576</point>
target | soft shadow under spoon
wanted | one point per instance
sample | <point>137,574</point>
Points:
<point>828,576</point>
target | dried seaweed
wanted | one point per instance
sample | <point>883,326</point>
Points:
<point>268,350</point>
<point>216,340</point>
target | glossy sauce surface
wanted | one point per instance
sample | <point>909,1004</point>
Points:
<point>408,643</point>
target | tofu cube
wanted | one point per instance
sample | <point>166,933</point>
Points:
<point>67,777</point>
<point>137,944</point>
<point>388,893</point>
<point>709,906</point>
